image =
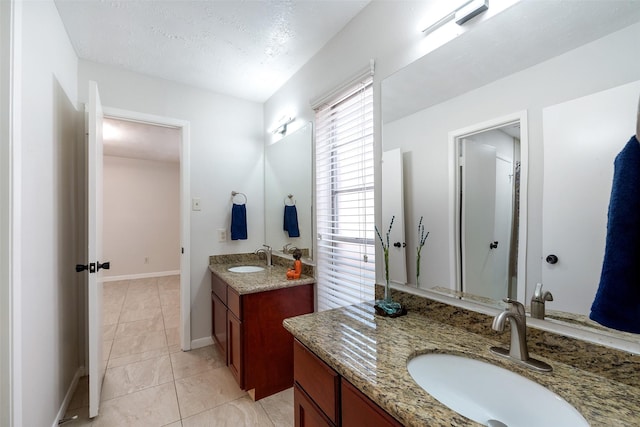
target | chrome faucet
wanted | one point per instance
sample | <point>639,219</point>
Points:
<point>518,350</point>
<point>288,248</point>
<point>266,250</point>
<point>538,302</point>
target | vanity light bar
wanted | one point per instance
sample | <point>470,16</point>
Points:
<point>281,128</point>
<point>471,10</point>
<point>461,15</point>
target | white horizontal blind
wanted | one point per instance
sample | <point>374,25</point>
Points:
<point>344,198</point>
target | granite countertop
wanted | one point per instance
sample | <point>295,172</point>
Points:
<point>273,277</point>
<point>371,352</point>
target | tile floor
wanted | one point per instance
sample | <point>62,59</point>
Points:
<point>149,381</point>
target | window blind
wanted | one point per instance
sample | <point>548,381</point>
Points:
<point>344,198</point>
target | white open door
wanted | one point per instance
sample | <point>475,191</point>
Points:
<point>478,219</point>
<point>393,205</point>
<point>581,140</point>
<point>94,233</point>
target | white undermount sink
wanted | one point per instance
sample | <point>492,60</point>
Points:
<point>491,395</point>
<point>245,269</point>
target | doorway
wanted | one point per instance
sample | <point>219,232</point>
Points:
<point>488,212</point>
<point>180,129</point>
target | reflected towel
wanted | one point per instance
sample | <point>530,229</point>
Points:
<point>291,221</point>
<point>617,302</point>
<point>239,222</point>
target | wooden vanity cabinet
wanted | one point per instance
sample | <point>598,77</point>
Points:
<point>219,323</point>
<point>318,383</point>
<point>234,337</point>
<point>359,410</point>
<point>322,398</point>
<point>306,412</point>
<point>259,351</point>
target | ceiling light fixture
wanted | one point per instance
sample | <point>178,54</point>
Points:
<point>464,13</point>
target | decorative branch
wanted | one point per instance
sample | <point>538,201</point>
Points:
<point>422,241</point>
<point>385,248</point>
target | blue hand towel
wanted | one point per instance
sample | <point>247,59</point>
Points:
<point>239,222</point>
<point>617,302</point>
<point>291,221</point>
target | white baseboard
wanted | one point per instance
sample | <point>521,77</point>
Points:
<point>69,395</point>
<point>201,342</point>
<point>140,276</point>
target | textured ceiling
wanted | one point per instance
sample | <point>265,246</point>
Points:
<point>247,49</point>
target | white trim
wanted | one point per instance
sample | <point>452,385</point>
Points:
<point>68,396</point>
<point>358,77</point>
<point>201,342</point>
<point>140,276</point>
<point>185,209</point>
<point>454,136</point>
<point>10,218</point>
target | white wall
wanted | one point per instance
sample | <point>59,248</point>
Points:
<point>49,283</point>
<point>141,216</point>
<point>386,31</point>
<point>602,64</point>
<point>226,154</point>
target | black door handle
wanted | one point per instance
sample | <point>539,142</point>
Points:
<point>106,265</point>
<point>552,259</point>
<point>398,244</point>
<point>82,267</point>
<point>493,245</point>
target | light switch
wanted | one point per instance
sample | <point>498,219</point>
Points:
<point>195,204</point>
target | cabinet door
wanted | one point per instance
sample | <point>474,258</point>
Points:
<point>219,323</point>
<point>306,413</point>
<point>358,410</point>
<point>234,348</point>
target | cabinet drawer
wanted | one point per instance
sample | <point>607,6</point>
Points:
<point>219,287</point>
<point>233,302</point>
<point>318,380</point>
<point>359,410</point>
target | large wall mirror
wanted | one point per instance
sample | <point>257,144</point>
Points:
<point>288,190</point>
<point>573,76</point>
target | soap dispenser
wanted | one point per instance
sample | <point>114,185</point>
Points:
<point>538,300</point>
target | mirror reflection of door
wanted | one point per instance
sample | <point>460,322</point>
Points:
<point>488,166</point>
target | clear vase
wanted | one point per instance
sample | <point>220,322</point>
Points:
<point>387,305</point>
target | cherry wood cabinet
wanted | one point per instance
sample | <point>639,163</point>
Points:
<point>320,382</point>
<point>219,322</point>
<point>258,349</point>
<point>359,410</point>
<point>306,412</point>
<point>234,352</point>
<point>322,398</point>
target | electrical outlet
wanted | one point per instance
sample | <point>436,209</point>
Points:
<point>195,204</point>
<point>222,235</point>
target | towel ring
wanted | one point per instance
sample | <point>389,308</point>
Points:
<point>235,193</point>
<point>291,201</point>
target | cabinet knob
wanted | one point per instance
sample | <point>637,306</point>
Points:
<point>552,259</point>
